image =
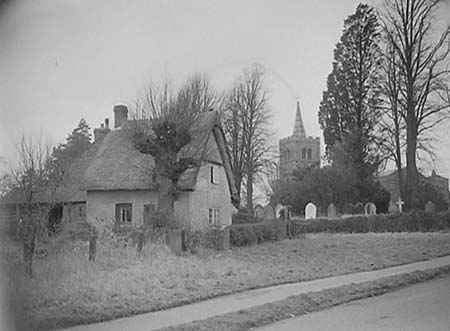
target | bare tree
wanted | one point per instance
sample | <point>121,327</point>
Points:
<point>392,129</point>
<point>247,129</point>
<point>36,178</point>
<point>424,71</point>
<point>165,124</point>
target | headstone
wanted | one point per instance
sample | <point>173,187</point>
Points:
<point>359,208</point>
<point>370,209</point>
<point>258,211</point>
<point>400,204</point>
<point>284,213</point>
<point>310,211</point>
<point>278,209</point>
<point>331,211</point>
<point>269,213</point>
<point>429,207</point>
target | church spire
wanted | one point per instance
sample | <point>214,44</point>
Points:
<point>299,129</point>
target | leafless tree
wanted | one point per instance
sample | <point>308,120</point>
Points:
<point>247,128</point>
<point>36,178</point>
<point>392,128</point>
<point>166,121</point>
<point>424,71</point>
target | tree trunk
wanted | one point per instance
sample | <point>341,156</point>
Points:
<point>412,179</point>
<point>250,191</point>
<point>165,200</point>
<point>28,245</point>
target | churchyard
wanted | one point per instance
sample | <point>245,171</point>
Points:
<point>67,289</point>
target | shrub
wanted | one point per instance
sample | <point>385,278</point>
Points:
<point>244,218</point>
<point>256,233</point>
<point>211,238</point>
<point>417,221</point>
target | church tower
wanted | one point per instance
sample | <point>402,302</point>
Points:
<point>298,150</point>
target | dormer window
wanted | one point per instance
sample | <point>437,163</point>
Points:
<point>213,176</point>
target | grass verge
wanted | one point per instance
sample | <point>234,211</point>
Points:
<point>299,305</point>
<point>68,290</point>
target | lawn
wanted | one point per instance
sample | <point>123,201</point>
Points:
<point>67,289</point>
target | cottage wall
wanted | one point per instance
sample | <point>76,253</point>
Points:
<point>210,195</point>
<point>101,205</point>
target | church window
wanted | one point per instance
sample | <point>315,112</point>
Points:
<point>309,154</point>
<point>288,155</point>
<point>304,154</point>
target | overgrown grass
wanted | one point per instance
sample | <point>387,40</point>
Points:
<point>67,289</point>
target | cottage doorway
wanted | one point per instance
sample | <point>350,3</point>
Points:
<point>54,219</point>
<point>149,220</point>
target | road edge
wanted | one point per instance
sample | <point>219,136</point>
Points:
<point>310,302</point>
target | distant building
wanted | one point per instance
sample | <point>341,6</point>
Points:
<point>390,183</point>
<point>298,150</point>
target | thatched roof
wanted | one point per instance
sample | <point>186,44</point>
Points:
<point>118,165</point>
<point>69,190</point>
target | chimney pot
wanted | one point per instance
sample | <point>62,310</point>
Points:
<point>120,115</point>
<point>107,123</point>
<point>102,126</point>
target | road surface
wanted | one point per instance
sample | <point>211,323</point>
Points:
<point>424,306</point>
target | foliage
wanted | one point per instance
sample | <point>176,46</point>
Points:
<point>76,144</point>
<point>327,185</point>
<point>256,233</point>
<point>428,192</point>
<point>165,123</point>
<point>421,54</point>
<point>246,124</point>
<point>211,238</point>
<point>350,105</point>
<point>243,218</point>
<point>417,221</point>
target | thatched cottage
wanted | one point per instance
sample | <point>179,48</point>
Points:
<point>120,183</point>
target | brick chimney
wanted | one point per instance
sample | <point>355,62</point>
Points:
<point>120,115</point>
<point>102,131</point>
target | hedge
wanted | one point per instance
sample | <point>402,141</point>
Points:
<point>418,221</point>
<point>244,218</point>
<point>256,233</point>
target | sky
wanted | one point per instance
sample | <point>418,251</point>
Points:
<point>63,60</point>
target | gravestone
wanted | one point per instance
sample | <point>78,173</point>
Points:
<point>359,208</point>
<point>310,211</point>
<point>400,204</point>
<point>284,213</point>
<point>258,211</point>
<point>370,209</point>
<point>429,207</point>
<point>331,211</point>
<point>269,213</point>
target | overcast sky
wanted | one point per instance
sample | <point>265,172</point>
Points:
<point>62,60</point>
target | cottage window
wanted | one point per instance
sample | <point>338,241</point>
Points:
<point>81,212</point>
<point>214,216</point>
<point>213,176</point>
<point>123,213</point>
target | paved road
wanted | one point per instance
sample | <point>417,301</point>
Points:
<point>424,306</point>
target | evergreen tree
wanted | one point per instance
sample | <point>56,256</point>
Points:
<point>76,144</point>
<point>351,104</point>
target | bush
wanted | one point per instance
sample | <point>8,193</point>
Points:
<point>243,218</point>
<point>418,221</point>
<point>212,238</point>
<point>256,233</point>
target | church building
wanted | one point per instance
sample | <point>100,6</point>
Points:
<point>298,150</point>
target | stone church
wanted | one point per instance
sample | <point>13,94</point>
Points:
<point>298,150</point>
